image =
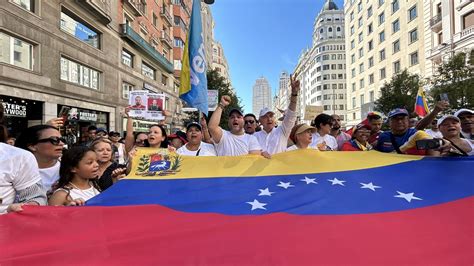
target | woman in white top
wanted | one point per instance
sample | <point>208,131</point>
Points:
<point>78,178</point>
<point>302,136</point>
<point>46,144</point>
<point>450,127</point>
<point>195,146</point>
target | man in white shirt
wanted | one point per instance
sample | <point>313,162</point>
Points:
<point>195,145</point>
<point>467,123</point>
<point>234,142</point>
<point>434,131</point>
<point>275,140</point>
<point>322,139</point>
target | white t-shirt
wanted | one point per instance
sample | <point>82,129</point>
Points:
<point>50,175</point>
<point>18,170</point>
<point>235,145</point>
<point>277,140</point>
<point>434,134</point>
<point>294,147</point>
<point>204,149</point>
<point>330,141</point>
<point>85,194</point>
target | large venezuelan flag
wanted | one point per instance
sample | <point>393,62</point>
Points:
<point>298,208</point>
<point>421,107</point>
<point>193,88</point>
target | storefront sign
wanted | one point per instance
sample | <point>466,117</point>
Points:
<point>86,116</point>
<point>16,110</point>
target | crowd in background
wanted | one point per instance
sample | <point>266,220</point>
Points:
<point>36,169</point>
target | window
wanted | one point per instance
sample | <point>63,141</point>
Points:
<point>325,67</point>
<point>413,35</point>
<point>361,37</point>
<point>467,20</point>
<point>361,52</point>
<point>341,96</point>
<point>353,73</point>
<point>371,61</point>
<point>414,59</point>
<point>361,22</point>
<point>341,107</point>
<point>79,74</point>
<point>353,87</point>
<point>369,12</point>
<point>395,6</point>
<point>371,45</point>
<point>79,29</point>
<point>155,20</point>
<point>353,102</point>
<point>16,52</point>
<point>352,15</point>
<point>361,68</point>
<point>126,89</point>
<point>352,44</point>
<point>329,29</point>
<point>382,73</point>
<point>148,71</point>
<point>381,2</point>
<point>353,59</point>
<point>26,4</point>
<point>396,46</point>
<point>127,58</point>
<point>382,55</point>
<point>361,83</point>
<point>395,26</point>
<point>164,80</point>
<point>371,79</point>
<point>338,29</point>
<point>352,30</point>
<point>382,36</point>
<point>359,7</point>
<point>412,13</point>
<point>381,18</point>
<point>371,96</point>
<point>362,100</point>
<point>396,67</point>
<point>369,29</point>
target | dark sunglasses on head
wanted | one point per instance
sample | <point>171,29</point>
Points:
<point>249,122</point>
<point>52,140</point>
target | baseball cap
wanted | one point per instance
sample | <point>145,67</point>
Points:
<point>180,135</point>
<point>236,110</point>
<point>194,124</point>
<point>265,110</point>
<point>442,119</point>
<point>360,126</point>
<point>99,130</point>
<point>298,129</point>
<point>397,111</point>
<point>464,110</point>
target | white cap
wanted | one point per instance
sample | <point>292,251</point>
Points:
<point>265,110</point>
<point>441,120</point>
<point>460,111</point>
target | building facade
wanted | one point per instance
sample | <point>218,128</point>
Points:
<point>219,62</point>
<point>84,56</point>
<point>281,99</point>
<point>262,95</point>
<point>383,37</point>
<point>449,28</point>
<point>207,32</point>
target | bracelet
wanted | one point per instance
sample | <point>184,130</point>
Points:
<point>221,106</point>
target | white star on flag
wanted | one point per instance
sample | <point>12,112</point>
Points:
<point>285,185</point>
<point>336,181</point>
<point>369,186</point>
<point>407,196</point>
<point>257,205</point>
<point>265,192</point>
<point>309,180</point>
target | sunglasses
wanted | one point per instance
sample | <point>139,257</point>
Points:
<point>52,140</point>
<point>249,122</point>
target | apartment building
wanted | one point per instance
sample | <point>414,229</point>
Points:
<point>383,37</point>
<point>262,95</point>
<point>219,61</point>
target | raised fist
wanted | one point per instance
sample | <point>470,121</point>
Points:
<point>225,100</point>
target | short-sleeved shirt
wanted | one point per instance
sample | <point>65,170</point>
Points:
<point>235,145</point>
<point>50,175</point>
<point>341,138</point>
<point>294,148</point>
<point>204,149</point>
<point>331,141</point>
<point>384,144</point>
<point>277,140</point>
<point>18,171</point>
<point>434,134</point>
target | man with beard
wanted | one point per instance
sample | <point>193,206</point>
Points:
<point>275,140</point>
<point>375,121</point>
<point>341,137</point>
<point>466,116</point>
<point>234,142</point>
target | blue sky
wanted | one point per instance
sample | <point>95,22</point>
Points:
<point>263,38</point>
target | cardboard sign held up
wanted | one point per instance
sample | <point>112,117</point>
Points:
<point>311,111</point>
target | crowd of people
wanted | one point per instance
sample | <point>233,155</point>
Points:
<point>36,169</point>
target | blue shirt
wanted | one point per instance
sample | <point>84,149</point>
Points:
<point>384,143</point>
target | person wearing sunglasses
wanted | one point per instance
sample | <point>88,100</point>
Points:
<point>250,124</point>
<point>46,144</point>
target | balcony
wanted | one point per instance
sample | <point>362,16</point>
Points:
<point>137,7</point>
<point>166,16</point>
<point>99,8</point>
<point>129,34</point>
<point>165,38</point>
<point>436,24</point>
<point>463,35</point>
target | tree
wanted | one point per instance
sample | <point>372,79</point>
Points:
<point>456,78</point>
<point>216,82</point>
<point>400,92</point>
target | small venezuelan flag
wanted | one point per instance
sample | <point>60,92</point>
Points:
<point>421,107</point>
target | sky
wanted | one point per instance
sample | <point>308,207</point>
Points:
<point>263,38</point>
